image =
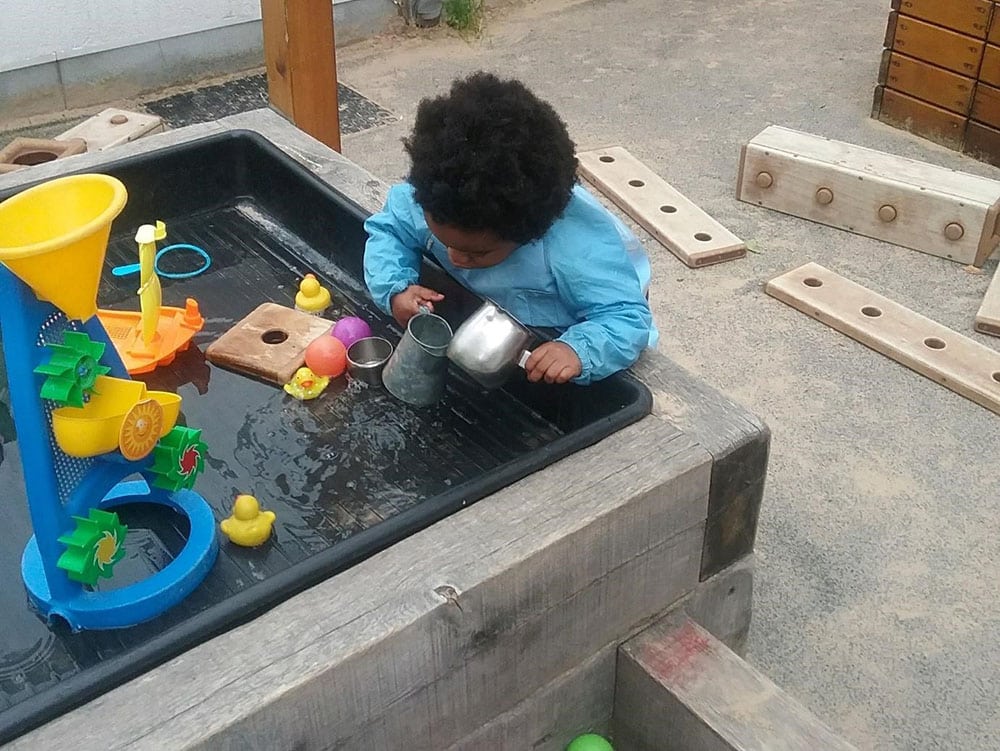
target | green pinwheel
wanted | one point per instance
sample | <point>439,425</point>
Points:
<point>178,459</point>
<point>93,547</point>
<point>72,369</point>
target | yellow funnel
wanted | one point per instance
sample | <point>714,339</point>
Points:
<point>54,237</point>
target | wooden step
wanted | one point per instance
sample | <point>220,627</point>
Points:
<point>677,223</point>
<point>902,201</point>
<point>935,351</point>
<point>678,687</point>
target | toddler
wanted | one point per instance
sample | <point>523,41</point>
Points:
<point>492,197</point>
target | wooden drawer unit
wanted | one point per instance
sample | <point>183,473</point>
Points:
<point>994,36</point>
<point>986,107</point>
<point>909,113</point>
<point>983,143</point>
<point>990,72</point>
<point>938,86</point>
<point>940,73</point>
<point>933,44</point>
<point>970,17</point>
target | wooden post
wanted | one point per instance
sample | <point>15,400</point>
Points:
<point>301,60</point>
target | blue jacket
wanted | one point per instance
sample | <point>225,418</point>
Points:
<point>587,276</point>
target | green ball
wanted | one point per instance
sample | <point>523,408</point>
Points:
<point>589,742</point>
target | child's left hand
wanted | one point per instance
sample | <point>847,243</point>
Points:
<point>554,362</point>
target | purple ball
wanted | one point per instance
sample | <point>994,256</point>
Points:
<point>350,329</point>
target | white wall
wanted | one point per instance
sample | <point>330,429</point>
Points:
<point>40,31</point>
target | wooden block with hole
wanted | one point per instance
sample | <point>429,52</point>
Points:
<point>988,317</point>
<point>935,351</point>
<point>269,344</point>
<point>677,223</point>
<point>916,205</point>
<point>113,127</point>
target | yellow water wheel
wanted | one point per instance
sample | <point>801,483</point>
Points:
<point>140,429</point>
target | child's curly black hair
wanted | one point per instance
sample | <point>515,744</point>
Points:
<point>491,156</point>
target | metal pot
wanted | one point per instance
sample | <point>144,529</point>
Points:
<point>490,345</point>
<point>366,359</point>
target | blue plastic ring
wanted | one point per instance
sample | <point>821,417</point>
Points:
<point>183,274</point>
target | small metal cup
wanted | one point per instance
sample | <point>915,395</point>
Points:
<point>366,359</point>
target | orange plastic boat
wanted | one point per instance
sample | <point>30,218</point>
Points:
<point>175,327</point>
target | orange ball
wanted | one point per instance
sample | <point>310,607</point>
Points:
<point>327,356</point>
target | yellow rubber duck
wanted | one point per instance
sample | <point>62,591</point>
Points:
<point>306,385</point>
<point>248,526</point>
<point>312,296</point>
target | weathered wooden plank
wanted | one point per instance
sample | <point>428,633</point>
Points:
<point>679,687</point>
<point>970,17</point>
<point>937,86</point>
<point>676,222</point>
<point>941,47</point>
<point>544,575</point>
<point>739,443</point>
<point>935,351</point>
<point>988,317</point>
<point>561,637</point>
<point>579,701</point>
<point>723,604</point>
<point>902,201</point>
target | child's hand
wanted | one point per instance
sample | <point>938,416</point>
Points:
<point>554,362</point>
<point>407,303</point>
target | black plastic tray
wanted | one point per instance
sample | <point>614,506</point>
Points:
<point>348,474</point>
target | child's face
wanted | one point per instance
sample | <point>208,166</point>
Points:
<point>478,249</point>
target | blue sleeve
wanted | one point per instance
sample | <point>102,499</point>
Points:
<point>395,246</point>
<point>600,283</point>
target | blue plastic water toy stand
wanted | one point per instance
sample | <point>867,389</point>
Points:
<point>59,486</point>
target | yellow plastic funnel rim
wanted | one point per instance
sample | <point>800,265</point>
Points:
<point>118,198</point>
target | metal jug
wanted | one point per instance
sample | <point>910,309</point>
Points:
<point>418,369</point>
<point>490,345</point>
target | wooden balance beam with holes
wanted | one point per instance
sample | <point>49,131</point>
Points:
<point>659,208</point>
<point>956,362</point>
